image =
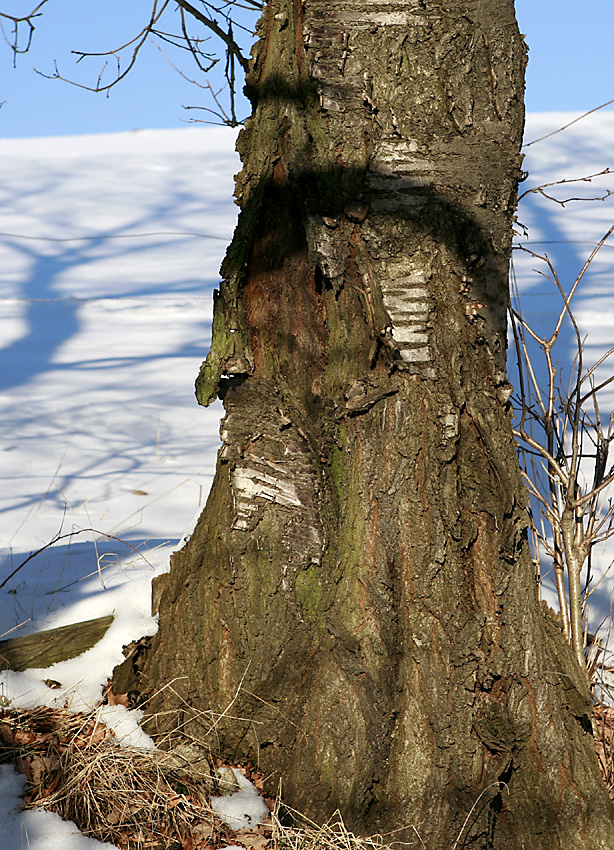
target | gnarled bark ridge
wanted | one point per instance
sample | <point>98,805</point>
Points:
<point>361,566</point>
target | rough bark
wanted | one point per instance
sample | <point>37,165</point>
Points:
<point>360,569</point>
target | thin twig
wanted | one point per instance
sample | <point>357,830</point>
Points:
<point>570,124</point>
<point>65,536</point>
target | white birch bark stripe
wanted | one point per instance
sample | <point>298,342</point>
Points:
<point>366,13</point>
<point>396,168</point>
<point>250,484</point>
<point>406,300</point>
<point>398,172</point>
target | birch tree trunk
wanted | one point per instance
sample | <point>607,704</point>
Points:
<point>359,578</point>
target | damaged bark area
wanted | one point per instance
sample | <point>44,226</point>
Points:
<point>357,606</point>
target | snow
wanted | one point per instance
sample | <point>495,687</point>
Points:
<point>125,724</point>
<point>109,252</point>
<point>243,809</point>
<point>36,830</point>
<point>102,336</point>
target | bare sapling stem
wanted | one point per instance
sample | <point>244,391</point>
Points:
<point>571,511</point>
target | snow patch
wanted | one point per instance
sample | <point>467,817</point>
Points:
<point>243,809</point>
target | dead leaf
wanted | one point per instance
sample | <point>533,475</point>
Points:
<point>229,784</point>
<point>22,765</point>
<point>37,769</point>
<point>117,699</point>
<point>140,492</point>
<point>96,733</point>
<point>253,839</point>
<point>6,734</point>
<point>23,737</point>
<point>51,786</point>
<point>203,832</point>
<point>174,800</point>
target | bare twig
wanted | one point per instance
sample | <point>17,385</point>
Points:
<point>556,424</point>
<point>136,43</point>
<point>227,37</point>
<point>69,534</point>
<point>570,124</point>
<point>26,20</point>
<point>587,179</point>
<point>219,24</point>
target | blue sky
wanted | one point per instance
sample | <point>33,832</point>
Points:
<point>571,67</point>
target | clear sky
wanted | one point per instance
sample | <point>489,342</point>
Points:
<point>571,67</point>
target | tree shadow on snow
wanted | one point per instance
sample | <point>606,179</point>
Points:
<point>72,572</point>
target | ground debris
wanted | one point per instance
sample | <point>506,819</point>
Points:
<point>142,799</point>
<point>136,799</point>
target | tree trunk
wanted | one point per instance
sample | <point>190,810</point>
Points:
<point>358,588</point>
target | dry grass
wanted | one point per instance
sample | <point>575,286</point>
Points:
<point>146,800</point>
<point>133,798</point>
<point>304,834</point>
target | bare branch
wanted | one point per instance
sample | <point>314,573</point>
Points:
<point>527,438</point>
<point>138,41</point>
<point>555,425</point>
<point>24,19</point>
<point>232,46</point>
<point>570,124</point>
<point>587,179</point>
<point>603,384</point>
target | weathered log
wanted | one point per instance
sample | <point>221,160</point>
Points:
<point>42,649</point>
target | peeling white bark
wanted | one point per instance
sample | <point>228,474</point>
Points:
<point>407,301</point>
<point>368,18</point>
<point>250,484</point>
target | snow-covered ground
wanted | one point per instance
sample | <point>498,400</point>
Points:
<point>109,251</point>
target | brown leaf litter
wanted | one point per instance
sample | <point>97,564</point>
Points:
<point>134,798</point>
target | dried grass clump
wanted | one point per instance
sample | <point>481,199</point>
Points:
<point>304,834</point>
<point>136,799</point>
